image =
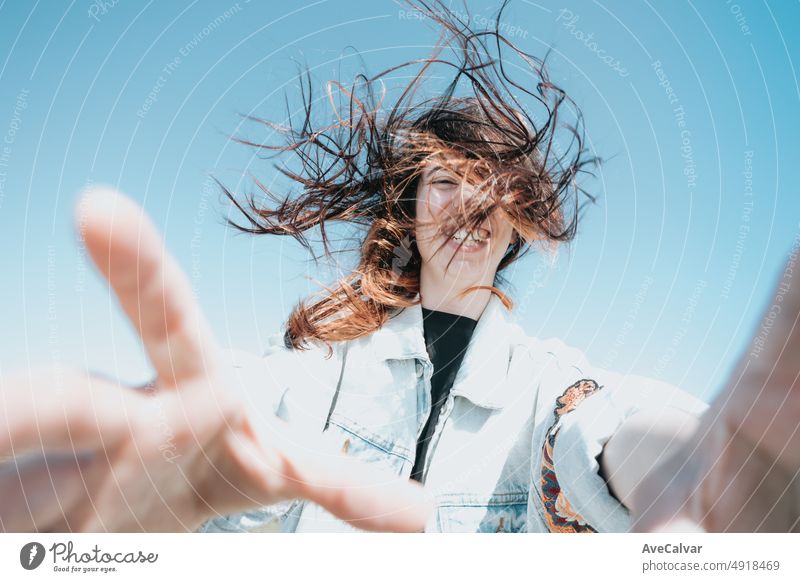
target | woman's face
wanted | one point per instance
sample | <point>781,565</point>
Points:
<point>475,262</point>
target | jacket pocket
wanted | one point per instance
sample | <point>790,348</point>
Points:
<point>496,513</point>
<point>366,446</point>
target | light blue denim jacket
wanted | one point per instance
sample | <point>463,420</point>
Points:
<point>516,444</point>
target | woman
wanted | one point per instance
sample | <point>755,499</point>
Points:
<point>411,364</point>
<point>449,392</point>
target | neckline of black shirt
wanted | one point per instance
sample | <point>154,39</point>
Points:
<point>447,336</point>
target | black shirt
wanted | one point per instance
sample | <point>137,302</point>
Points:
<point>446,336</point>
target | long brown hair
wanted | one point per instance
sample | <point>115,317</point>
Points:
<point>363,168</point>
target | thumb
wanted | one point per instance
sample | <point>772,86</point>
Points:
<point>367,496</point>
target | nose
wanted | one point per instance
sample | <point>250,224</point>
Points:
<point>460,200</point>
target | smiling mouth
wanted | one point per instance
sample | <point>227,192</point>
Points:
<point>471,240</point>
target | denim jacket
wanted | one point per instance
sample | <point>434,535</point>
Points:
<point>516,444</point>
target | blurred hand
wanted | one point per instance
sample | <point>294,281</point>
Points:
<point>83,453</point>
<point>740,470</point>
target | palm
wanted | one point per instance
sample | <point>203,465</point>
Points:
<point>100,457</point>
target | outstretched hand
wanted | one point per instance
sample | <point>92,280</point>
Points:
<point>740,470</point>
<point>83,453</point>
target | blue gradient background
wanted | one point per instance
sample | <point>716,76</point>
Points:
<point>654,284</point>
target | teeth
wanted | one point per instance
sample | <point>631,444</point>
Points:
<point>471,237</point>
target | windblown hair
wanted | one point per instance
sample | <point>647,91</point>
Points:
<point>363,167</point>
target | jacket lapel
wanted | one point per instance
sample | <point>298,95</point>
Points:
<point>481,377</point>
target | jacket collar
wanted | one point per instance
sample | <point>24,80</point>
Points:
<point>481,377</point>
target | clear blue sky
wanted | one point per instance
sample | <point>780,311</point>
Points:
<point>667,277</point>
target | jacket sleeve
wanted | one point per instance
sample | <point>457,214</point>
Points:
<point>579,409</point>
<point>294,385</point>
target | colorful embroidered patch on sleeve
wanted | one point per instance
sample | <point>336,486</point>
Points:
<point>559,514</point>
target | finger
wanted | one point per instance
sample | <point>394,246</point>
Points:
<point>369,498</point>
<point>63,411</point>
<point>151,288</point>
<point>669,499</point>
<point>298,466</point>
